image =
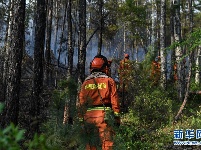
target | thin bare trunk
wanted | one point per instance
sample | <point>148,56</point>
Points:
<point>162,45</point>
<point>48,42</point>
<point>82,44</point>
<point>56,27</point>
<point>62,34</point>
<point>38,64</point>
<point>172,41</point>
<point>178,50</point>
<point>153,24</point>
<point>7,45</point>
<point>70,41</point>
<point>101,23</point>
<point>197,63</point>
<point>186,93</point>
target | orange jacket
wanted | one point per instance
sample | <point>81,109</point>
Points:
<point>175,72</point>
<point>124,65</point>
<point>155,67</point>
<point>103,86</point>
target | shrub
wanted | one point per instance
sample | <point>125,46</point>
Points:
<point>153,110</point>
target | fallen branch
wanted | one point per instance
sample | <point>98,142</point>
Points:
<point>186,95</point>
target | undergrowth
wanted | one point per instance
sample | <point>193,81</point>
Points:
<point>147,126</point>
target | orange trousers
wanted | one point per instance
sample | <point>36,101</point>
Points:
<point>96,118</point>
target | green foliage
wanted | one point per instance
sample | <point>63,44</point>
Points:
<point>194,86</point>
<point>66,92</point>
<point>191,42</point>
<point>152,109</point>
<point>129,137</point>
<point>10,137</point>
<point>133,14</point>
<point>39,142</point>
<point>60,135</point>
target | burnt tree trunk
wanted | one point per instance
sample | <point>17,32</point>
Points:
<point>70,40</point>
<point>40,19</point>
<point>48,41</point>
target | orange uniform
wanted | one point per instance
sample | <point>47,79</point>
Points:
<point>155,72</point>
<point>98,94</point>
<point>124,74</point>
<point>175,72</point>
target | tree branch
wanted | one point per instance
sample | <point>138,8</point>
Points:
<point>92,36</point>
<point>186,94</point>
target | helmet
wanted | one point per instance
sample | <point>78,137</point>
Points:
<point>126,56</point>
<point>157,58</point>
<point>99,63</point>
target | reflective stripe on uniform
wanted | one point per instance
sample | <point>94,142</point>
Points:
<point>99,108</point>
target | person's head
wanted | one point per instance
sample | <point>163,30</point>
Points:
<point>158,58</point>
<point>126,56</point>
<point>99,64</point>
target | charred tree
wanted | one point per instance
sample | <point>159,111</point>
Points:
<point>48,41</point>
<point>70,40</point>
<point>40,20</point>
<point>82,41</point>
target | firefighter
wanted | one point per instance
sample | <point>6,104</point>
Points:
<point>175,72</point>
<point>99,103</point>
<point>124,72</point>
<point>156,71</point>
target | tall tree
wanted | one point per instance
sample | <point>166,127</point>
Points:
<point>48,41</point>
<point>178,49</point>
<point>197,63</point>
<point>101,23</point>
<point>82,41</point>
<point>172,14</point>
<point>162,44</point>
<point>40,19</point>
<point>153,24</point>
<point>62,40</point>
<point>7,45</point>
<point>56,24</point>
<point>14,71</point>
<point>70,40</point>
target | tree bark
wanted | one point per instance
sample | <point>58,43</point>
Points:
<point>186,93</point>
<point>178,50</point>
<point>38,64</point>
<point>82,41</point>
<point>48,41</point>
<point>14,71</point>
<point>101,23</point>
<point>162,44</point>
<point>62,33</point>
<point>6,48</point>
<point>197,63</point>
<point>70,40</point>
